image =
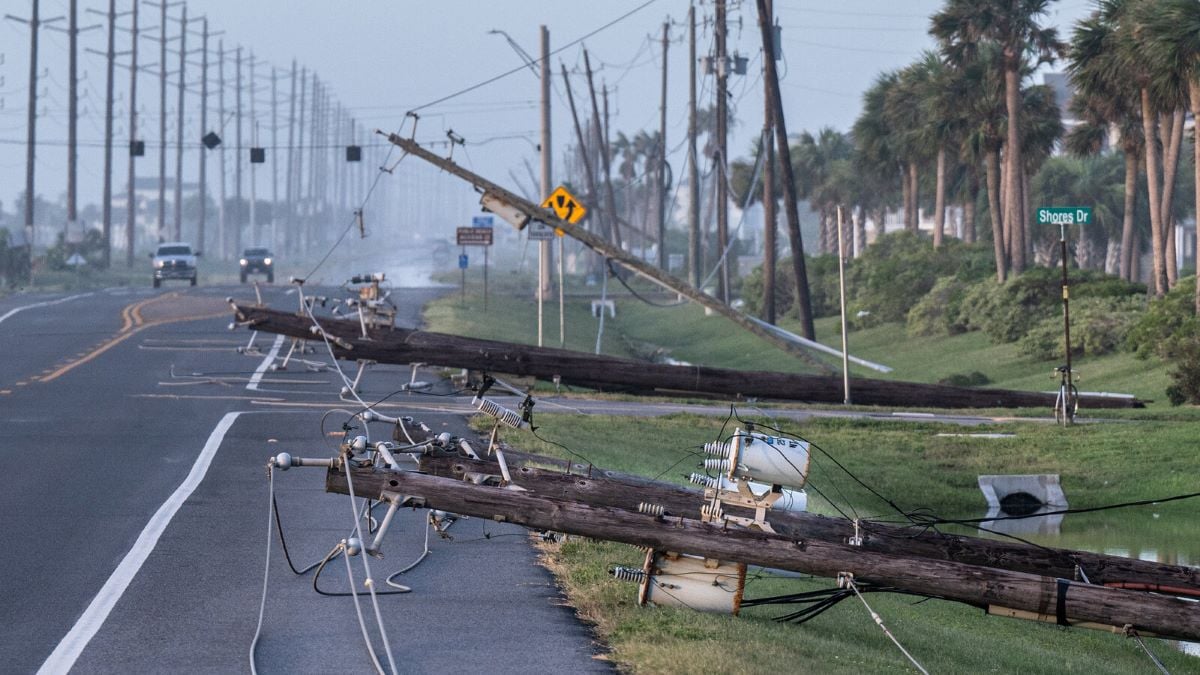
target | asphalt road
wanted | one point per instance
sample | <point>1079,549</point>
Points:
<point>134,508</point>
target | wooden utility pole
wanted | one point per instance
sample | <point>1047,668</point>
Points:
<point>799,269</point>
<point>720,64</point>
<point>998,591</point>
<point>694,259</point>
<point>131,194</point>
<point>402,346</point>
<point>201,226</point>
<point>588,173</point>
<point>297,210</point>
<point>610,201</point>
<point>162,116</point>
<point>34,22</point>
<point>660,189</point>
<point>289,226</point>
<point>599,487</point>
<point>222,216</point>
<point>274,239</point>
<point>770,247</point>
<point>252,92</point>
<point>183,31</point>
<point>238,160</point>
<point>547,179</point>
<point>110,73</point>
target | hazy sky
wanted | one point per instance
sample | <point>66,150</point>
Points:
<point>384,58</point>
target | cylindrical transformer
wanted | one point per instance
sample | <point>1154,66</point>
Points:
<point>704,585</point>
<point>789,500</point>
<point>768,459</point>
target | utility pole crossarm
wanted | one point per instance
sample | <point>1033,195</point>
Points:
<point>533,212</point>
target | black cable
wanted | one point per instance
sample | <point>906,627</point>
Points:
<point>589,462</point>
<point>634,293</point>
<point>340,594</point>
<point>681,460</point>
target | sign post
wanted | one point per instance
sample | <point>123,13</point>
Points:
<point>1064,216</point>
<point>567,207</point>
<point>479,234</point>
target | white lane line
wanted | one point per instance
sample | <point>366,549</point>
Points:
<point>266,363</point>
<point>42,304</point>
<point>72,645</point>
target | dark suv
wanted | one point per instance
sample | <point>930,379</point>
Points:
<point>258,261</point>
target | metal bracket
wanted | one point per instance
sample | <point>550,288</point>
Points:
<point>857,538</point>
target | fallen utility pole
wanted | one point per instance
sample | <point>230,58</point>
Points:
<point>402,346</point>
<point>999,591</point>
<point>607,488</point>
<point>531,212</point>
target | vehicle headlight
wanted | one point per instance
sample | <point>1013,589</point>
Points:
<point>158,264</point>
<point>266,261</point>
<point>243,261</point>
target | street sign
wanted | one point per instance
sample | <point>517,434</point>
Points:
<point>482,221</point>
<point>540,232</point>
<point>1064,215</point>
<point>565,205</point>
<point>462,261</point>
<point>474,236</point>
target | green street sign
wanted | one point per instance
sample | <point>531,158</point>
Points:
<point>1064,215</point>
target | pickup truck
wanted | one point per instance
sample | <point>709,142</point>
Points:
<point>174,260</point>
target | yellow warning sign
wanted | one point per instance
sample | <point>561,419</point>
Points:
<point>565,205</point>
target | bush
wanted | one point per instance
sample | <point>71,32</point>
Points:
<point>1185,379</point>
<point>1099,325</point>
<point>1007,312</point>
<point>971,379</point>
<point>822,286</point>
<point>900,268</point>
<point>939,312</point>
<point>1168,323</point>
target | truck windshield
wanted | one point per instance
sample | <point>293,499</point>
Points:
<point>174,250</point>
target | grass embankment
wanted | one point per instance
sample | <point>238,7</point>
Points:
<point>908,462</point>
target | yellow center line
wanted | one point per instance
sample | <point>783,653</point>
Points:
<point>121,337</point>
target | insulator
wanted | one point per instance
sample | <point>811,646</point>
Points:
<point>717,448</point>
<point>704,481</point>
<point>504,415</point>
<point>622,573</point>
<point>720,465</point>
<point>651,509</point>
<point>712,512</point>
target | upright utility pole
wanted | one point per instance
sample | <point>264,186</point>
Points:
<point>222,220</point>
<point>721,65</point>
<point>237,157</point>
<point>183,24</point>
<point>34,22</point>
<point>274,239</point>
<point>289,193</point>
<point>803,303</point>
<point>770,248</point>
<point>110,72</point>
<point>694,261</point>
<point>202,188</point>
<point>255,236</point>
<point>72,30</point>
<point>610,201</point>
<point>162,117</point>
<point>131,194</point>
<point>544,255</point>
<point>660,191</point>
<point>297,234</point>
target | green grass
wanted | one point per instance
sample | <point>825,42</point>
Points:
<point>1141,454</point>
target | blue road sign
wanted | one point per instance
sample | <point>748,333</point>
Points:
<point>462,261</point>
<point>482,221</point>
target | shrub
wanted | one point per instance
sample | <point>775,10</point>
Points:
<point>1185,379</point>
<point>939,312</point>
<point>1099,325</point>
<point>895,272</point>
<point>1169,322</point>
<point>971,379</point>
<point>1007,312</point>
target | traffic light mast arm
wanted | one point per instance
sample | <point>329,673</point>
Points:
<point>533,212</point>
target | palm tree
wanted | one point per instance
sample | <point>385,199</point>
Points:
<point>876,155</point>
<point>1012,25</point>
<point>813,160</point>
<point>1173,41</point>
<point>1102,100</point>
